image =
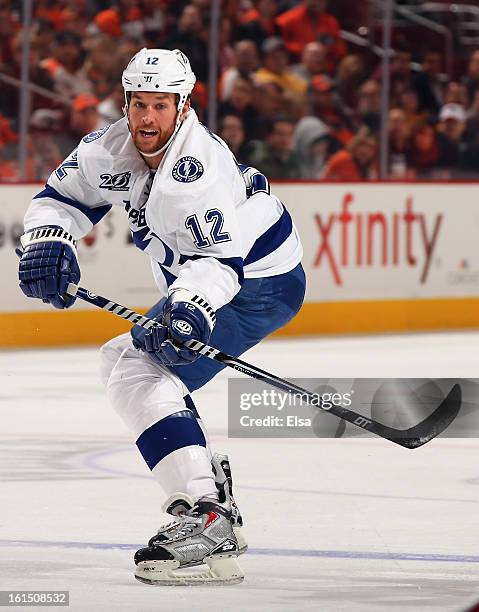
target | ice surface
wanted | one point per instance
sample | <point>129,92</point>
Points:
<point>350,524</point>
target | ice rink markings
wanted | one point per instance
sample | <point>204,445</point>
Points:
<point>274,552</point>
<point>91,461</point>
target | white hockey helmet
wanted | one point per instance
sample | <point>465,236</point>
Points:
<point>160,70</point>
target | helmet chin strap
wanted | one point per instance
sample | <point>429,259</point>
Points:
<point>163,148</point>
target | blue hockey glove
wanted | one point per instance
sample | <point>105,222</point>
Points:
<point>186,316</point>
<point>48,264</point>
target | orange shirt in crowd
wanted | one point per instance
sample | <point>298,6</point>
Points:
<point>56,15</point>
<point>254,15</point>
<point>342,167</point>
<point>7,135</point>
<point>299,27</point>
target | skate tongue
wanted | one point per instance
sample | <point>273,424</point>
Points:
<point>178,504</point>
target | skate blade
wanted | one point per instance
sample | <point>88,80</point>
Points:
<point>222,569</point>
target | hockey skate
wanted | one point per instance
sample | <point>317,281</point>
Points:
<point>208,532</point>
<point>178,505</point>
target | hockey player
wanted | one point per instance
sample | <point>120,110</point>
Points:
<point>226,259</point>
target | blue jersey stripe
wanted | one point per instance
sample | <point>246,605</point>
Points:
<point>171,433</point>
<point>191,406</point>
<point>94,214</point>
<point>236,263</point>
<point>142,239</point>
<point>169,277</point>
<point>271,239</point>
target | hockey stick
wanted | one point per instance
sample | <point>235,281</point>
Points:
<point>413,437</point>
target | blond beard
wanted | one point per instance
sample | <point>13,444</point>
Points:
<point>149,147</point>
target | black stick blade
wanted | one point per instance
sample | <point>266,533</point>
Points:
<point>435,423</point>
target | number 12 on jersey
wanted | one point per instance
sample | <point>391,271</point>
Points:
<point>213,217</point>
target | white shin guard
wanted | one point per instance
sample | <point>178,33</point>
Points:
<point>143,393</point>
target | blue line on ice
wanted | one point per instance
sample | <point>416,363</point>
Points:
<point>275,552</point>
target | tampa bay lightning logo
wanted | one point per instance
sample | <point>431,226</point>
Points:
<point>187,169</point>
<point>182,327</point>
<point>95,135</point>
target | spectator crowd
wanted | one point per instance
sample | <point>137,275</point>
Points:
<point>293,99</point>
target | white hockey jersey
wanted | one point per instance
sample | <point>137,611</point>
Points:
<point>193,216</point>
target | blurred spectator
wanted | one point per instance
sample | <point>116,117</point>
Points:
<point>399,144</point>
<point>401,74</point>
<point>55,122</point>
<point>275,157</point>
<point>190,37</point>
<point>231,130</point>
<point>85,117</point>
<point>241,104</point>
<point>450,132</point>
<point>409,102</point>
<point>43,35</point>
<point>401,78</point>
<point>65,65</point>
<point>307,22</point>
<point>226,54</point>
<point>471,79</point>
<point>230,9</point>
<point>313,146</point>
<point>428,84</point>
<point>75,19</point>
<point>44,153</point>
<point>326,106</point>
<point>54,12</point>
<point>47,120</point>
<point>149,22</point>
<point>7,135</point>
<point>275,69</point>
<point>99,65</point>
<point>472,125</point>
<point>246,62</point>
<point>10,98</point>
<point>312,61</point>
<point>269,101</point>
<point>259,22</point>
<point>199,100</point>
<point>351,72</point>
<point>424,151</point>
<point>368,110</point>
<point>357,163</point>
<point>9,26</point>
<point>470,157</point>
<point>109,22</point>
<point>456,93</point>
<point>111,108</point>
<point>125,50</point>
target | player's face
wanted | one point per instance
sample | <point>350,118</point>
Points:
<point>152,119</point>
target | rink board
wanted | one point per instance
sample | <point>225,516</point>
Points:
<point>378,257</point>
